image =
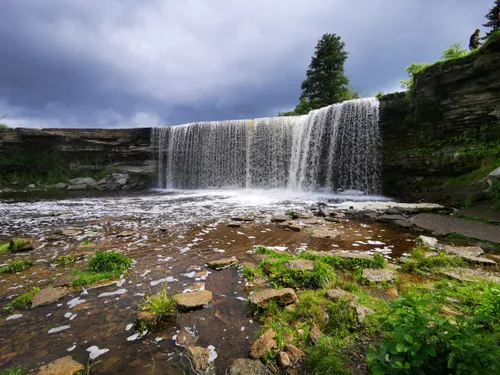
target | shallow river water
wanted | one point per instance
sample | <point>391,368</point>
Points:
<point>172,232</point>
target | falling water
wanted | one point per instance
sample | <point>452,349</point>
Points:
<point>330,149</point>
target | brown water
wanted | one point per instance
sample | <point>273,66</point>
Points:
<point>158,254</point>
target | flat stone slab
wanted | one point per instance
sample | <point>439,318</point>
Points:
<point>479,260</point>
<point>325,232</point>
<point>263,344</point>
<point>429,241</point>
<point>471,275</point>
<point>443,225</point>
<point>469,251</point>
<point>283,296</point>
<point>126,233</point>
<point>377,276</point>
<point>338,294</point>
<point>193,300</point>
<point>300,264</point>
<point>234,224</point>
<point>344,254</point>
<point>221,264</point>
<point>245,366</point>
<point>279,218</point>
<point>48,295</point>
<point>62,366</point>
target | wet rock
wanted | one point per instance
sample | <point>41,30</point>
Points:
<point>234,224</point>
<point>62,366</point>
<point>271,367</point>
<point>295,228</point>
<point>185,338</point>
<point>245,366</point>
<point>338,294</point>
<point>201,360</point>
<point>279,219</point>
<point>193,300</point>
<point>344,254</point>
<point>126,233</point>
<point>135,363</point>
<point>85,249</point>
<point>283,225</point>
<point>61,186</point>
<point>146,317</point>
<point>300,264</point>
<point>377,276</point>
<point>71,232</point>
<point>464,251</point>
<point>361,311</point>
<point>429,241</point>
<point>481,261</point>
<point>77,187</point>
<point>221,264</point>
<point>294,353</point>
<point>325,232</point>
<point>315,335</point>
<point>283,296</point>
<point>471,275</point>
<point>283,360</point>
<point>242,218</point>
<point>48,295</point>
<point>263,344</point>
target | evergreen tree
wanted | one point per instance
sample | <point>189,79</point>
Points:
<point>326,82</point>
<point>493,18</point>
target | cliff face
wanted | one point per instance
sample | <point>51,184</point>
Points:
<point>440,141</point>
<point>75,152</point>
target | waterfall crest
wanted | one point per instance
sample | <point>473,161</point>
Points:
<point>332,148</point>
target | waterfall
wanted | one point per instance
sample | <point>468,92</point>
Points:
<point>332,148</point>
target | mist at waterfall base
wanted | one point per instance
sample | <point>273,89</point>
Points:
<point>332,153</point>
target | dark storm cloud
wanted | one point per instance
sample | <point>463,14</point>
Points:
<point>140,63</point>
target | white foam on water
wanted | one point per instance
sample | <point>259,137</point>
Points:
<point>58,329</point>
<point>115,293</point>
<point>96,352</point>
<point>75,301</point>
<point>164,280</point>
<point>14,317</point>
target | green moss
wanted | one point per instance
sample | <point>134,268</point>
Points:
<point>249,272</point>
<point>17,266</point>
<point>86,242</point>
<point>455,236</point>
<point>4,247</point>
<point>103,266</point>
<point>65,259</point>
<point>23,301</point>
<point>345,264</point>
<point>419,262</point>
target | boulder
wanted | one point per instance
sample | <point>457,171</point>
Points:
<point>245,366</point>
<point>493,176</point>
<point>294,353</point>
<point>338,294</point>
<point>300,264</point>
<point>361,311</point>
<point>284,296</point>
<point>263,344</point>
<point>193,300</point>
<point>279,218</point>
<point>377,276</point>
<point>48,295</point>
<point>61,186</point>
<point>283,360</point>
<point>221,264</point>
<point>62,366</point>
<point>201,360</point>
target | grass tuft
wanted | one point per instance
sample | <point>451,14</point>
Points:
<point>103,266</point>
<point>17,266</point>
<point>419,263</point>
<point>160,305</point>
<point>65,259</point>
<point>23,301</point>
<point>15,370</point>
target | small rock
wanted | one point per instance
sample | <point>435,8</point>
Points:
<point>295,228</point>
<point>300,264</point>
<point>61,186</point>
<point>283,360</point>
<point>493,176</point>
<point>283,225</point>
<point>184,338</point>
<point>283,296</point>
<point>263,344</point>
<point>135,363</point>
<point>193,300</point>
<point>146,317</point>
<point>71,232</point>
<point>315,335</point>
<point>48,295</point>
<point>288,337</point>
<point>62,366</point>
<point>221,264</point>
<point>245,366</point>
<point>201,360</point>
<point>83,181</point>
<point>291,308</point>
<point>294,353</point>
<point>77,187</point>
<point>31,186</point>
<point>481,261</point>
<point>465,251</point>
<point>361,311</point>
<point>392,292</point>
<point>271,367</point>
<point>234,224</point>
<point>429,241</point>
<point>126,233</point>
<point>279,219</point>
<point>450,311</point>
<point>376,276</point>
<point>338,294</point>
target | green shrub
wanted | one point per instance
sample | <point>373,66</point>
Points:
<point>23,301</point>
<point>416,340</point>
<point>17,266</point>
<point>454,52</point>
<point>490,304</point>
<point>103,266</point>
<point>65,259</point>
<point>15,369</point>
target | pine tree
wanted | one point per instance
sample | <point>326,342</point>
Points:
<point>493,18</point>
<point>326,82</point>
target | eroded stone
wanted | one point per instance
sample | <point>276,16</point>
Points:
<point>377,276</point>
<point>338,294</point>
<point>62,366</point>
<point>201,360</point>
<point>283,296</point>
<point>293,352</point>
<point>263,344</point>
<point>220,264</point>
<point>193,300</point>
<point>48,295</point>
<point>283,360</point>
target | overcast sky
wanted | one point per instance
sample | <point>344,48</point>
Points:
<point>123,63</point>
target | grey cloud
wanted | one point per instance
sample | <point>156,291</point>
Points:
<point>138,63</point>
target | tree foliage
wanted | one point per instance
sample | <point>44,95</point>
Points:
<point>454,52</point>
<point>493,18</point>
<point>325,81</point>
